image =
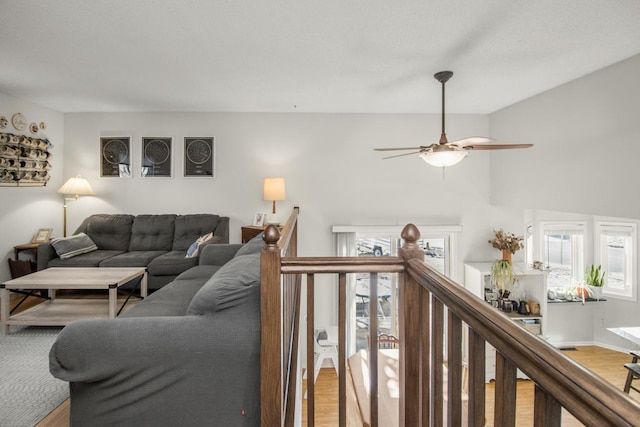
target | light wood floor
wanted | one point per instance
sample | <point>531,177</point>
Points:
<point>606,363</point>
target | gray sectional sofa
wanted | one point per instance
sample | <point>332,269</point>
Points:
<point>188,355</point>
<point>158,242</point>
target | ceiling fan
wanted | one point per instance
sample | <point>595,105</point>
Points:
<point>447,153</point>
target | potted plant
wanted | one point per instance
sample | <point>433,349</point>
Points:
<point>502,277</point>
<point>507,242</point>
<point>594,278</point>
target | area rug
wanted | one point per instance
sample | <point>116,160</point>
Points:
<point>28,392</point>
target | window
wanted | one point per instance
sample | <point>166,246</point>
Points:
<point>563,253</point>
<point>615,250</point>
<point>438,243</point>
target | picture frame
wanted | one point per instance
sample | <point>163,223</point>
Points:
<point>115,156</point>
<point>43,235</point>
<point>156,159</point>
<point>258,219</point>
<point>199,157</point>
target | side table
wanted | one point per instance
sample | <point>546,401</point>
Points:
<point>33,246</point>
<point>21,267</point>
<point>251,231</point>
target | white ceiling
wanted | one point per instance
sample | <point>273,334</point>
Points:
<point>304,55</point>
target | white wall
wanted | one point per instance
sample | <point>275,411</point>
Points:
<point>24,210</point>
<point>584,163</point>
<point>585,157</point>
<point>329,164</point>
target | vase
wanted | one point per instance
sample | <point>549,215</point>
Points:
<point>597,292</point>
<point>506,255</point>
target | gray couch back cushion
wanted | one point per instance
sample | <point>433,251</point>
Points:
<point>152,232</point>
<point>189,227</point>
<point>236,284</point>
<point>253,246</point>
<point>109,232</point>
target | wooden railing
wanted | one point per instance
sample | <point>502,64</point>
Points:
<point>424,297</point>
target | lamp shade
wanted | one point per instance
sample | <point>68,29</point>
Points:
<point>78,186</point>
<point>443,156</point>
<point>273,189</point>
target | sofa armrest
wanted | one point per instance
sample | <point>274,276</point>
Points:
<point>221,233</point>
<point>218,254</point>
<point>153,370</point>
<point>45,253</point>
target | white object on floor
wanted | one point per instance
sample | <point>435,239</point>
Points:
<point>325,349</point>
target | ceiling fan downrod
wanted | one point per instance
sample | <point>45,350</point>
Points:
<point>443,77</point>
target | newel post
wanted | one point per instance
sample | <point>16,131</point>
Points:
<point>410,326</point>
<point>271,375</point>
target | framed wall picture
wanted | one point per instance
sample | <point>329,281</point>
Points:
<point>115,156</point>
<point>42,235</point>
<point>258,219</point>
<point>156,157</point>
<point>199,157</point>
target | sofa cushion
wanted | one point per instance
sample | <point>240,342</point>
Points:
<point>253,246</point>
<point>189,227</point>
<point>91,259</point>
<point>237,283</point>
<point>194,249</point>
<point>152,232</point>
<point>110,232</point>
<point>78,244</point>
<point>171,300</point>
<point>171,264</point>
<point>203,272</point>
<point>132,259</point>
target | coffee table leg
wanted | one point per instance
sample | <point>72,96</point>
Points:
<point>5,295</point>
<point>143,285</point>
<point>113,300</point>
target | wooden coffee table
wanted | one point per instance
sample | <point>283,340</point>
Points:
<point>62,311</point>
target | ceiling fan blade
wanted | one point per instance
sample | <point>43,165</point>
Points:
<point>401,155</point>
<point>402,148</point>
<point>472,140</point>
<point>497,146</point>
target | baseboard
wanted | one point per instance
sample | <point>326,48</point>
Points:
<point>567,345</point>
<point>614,347</point>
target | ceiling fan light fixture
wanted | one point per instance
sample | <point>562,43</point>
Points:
<point>443,156</point>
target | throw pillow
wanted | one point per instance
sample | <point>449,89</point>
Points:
<point>195,246</point>
<point>236,283</point>
<point>253,246</point>
<point>67,247</point>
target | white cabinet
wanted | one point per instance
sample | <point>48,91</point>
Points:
<point>531,285</point>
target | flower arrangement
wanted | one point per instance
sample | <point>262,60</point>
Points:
<point>507,241</point>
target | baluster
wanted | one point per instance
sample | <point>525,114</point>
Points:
<point>311,403</point>
<point>425,351</point>
<point>373,348</point>
<point>342,370</point>
<point>547,410</point>
<point>476,389</point>
<point>454,372</point>
<point>505,398</point>
<point>437,314</point>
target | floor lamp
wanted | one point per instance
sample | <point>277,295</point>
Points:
<point>77,186</point>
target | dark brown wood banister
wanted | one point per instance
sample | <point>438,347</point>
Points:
<point>425,295</point>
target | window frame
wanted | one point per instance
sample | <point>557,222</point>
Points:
<point>600,228</point>
<point>577,265</point>
<point>346,246</point>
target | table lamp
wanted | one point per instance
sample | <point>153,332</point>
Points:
<point>273,189</point>
<point>77,186</point>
